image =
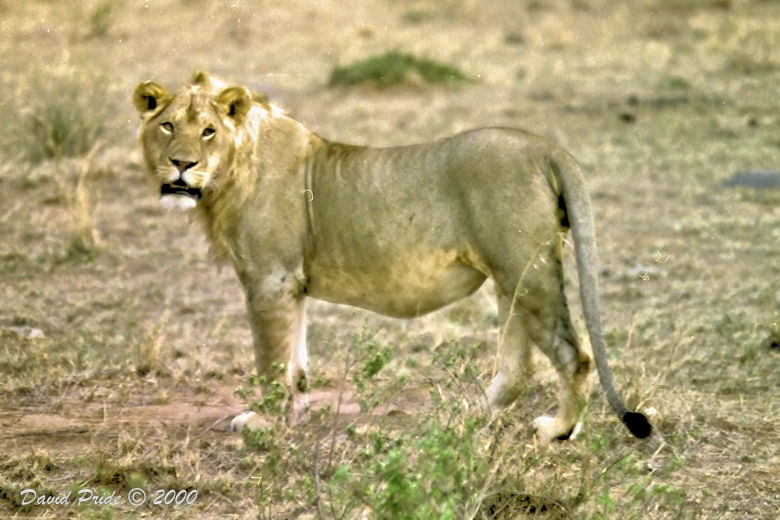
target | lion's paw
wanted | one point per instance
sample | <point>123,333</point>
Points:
<point>548,429</point>
<point>250,420</point>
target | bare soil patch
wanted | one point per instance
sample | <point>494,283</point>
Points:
<point>122,347</point>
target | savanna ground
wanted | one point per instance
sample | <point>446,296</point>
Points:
<point>123,349</point>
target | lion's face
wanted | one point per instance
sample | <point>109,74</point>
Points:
<point>189,137</point>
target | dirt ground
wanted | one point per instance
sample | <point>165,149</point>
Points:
<point>124,350</point>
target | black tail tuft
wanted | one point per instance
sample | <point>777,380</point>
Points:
<point>637,424</point>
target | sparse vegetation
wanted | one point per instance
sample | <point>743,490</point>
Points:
<point>80,200</point>
<point>64,115</point>
<point>101,19</point>
<point>431,466</point>
<point>122,359</point>
<point>53,139</point>
<point>395,68</point>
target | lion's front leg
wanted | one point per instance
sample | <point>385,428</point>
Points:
<point>279,334</point>
<point>278,322</point>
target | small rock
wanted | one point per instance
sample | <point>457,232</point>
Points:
<point>755,179</point>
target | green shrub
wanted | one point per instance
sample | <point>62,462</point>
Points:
<point>395,68</point>
<point>428,473</point>
<point>434,468</point>
<point>101,19</point>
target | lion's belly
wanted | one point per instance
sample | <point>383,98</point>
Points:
<point>404,288</point>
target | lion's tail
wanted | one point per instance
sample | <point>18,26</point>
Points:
<point>576,203</point>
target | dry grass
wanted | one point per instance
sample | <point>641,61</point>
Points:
<point>79,199</point>
<point>123,350</point>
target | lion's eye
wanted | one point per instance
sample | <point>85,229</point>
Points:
<point>167,127</point>
<point>208,132</point>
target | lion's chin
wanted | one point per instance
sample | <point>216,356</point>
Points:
<point>178,202</point>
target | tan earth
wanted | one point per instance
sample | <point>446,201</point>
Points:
<point>123,349</point>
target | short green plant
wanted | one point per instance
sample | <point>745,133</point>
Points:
<point>101,19</point>
<point>395,68</point>
<point>430,470</point>
<point>432,474</point>
<point>374,358</point>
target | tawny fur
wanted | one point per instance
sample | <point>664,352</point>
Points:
<point>400,231</point>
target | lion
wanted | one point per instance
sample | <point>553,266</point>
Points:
<point>399,231</point>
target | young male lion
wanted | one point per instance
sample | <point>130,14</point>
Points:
<point>400,231</point>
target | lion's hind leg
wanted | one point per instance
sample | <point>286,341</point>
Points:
<point>536,313</point>
<point>574,367</point>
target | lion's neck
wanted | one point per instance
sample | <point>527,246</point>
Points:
<point>220,209</point>
<point>218,219</point>
<point>270,159</point>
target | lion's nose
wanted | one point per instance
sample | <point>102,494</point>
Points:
<point>183,164</point>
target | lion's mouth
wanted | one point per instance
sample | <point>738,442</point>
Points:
<point>178,189</point>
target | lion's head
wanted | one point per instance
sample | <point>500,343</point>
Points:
<point>189,138</point>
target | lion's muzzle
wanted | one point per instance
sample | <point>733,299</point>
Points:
<point>179,187</point>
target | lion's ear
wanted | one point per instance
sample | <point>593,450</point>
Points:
<point>236,102</point>
<point>148,96</point>
<point>202,79</point>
